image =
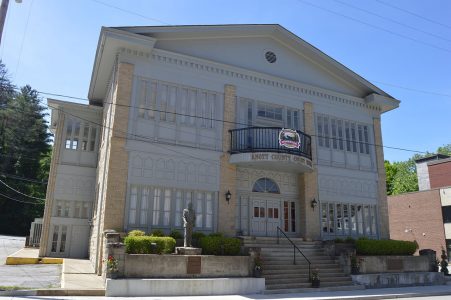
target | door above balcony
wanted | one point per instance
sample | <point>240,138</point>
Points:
<point>272,148</point>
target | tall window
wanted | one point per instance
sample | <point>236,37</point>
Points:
<point>77,131</point>
<point>265,110</point>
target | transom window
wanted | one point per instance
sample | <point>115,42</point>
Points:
<point>269,111</point>
<point>266,185</point>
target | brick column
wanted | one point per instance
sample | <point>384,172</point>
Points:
<point>43,244</point>
<point>382,189</point>
<point>112,202</point>
<point>227,210</point>
<point>308,184</point>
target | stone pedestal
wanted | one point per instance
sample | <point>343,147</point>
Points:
<point>188,251</point>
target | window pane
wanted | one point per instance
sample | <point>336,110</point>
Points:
<point>373,220</point>
<point>324,222</point>
<point>353,137</point>
<point>256,212</point>
<point>346,218</point>
<point>69,128</point>
<point>339,220</point>
<point>320,131</point>
<point>156,207</point>
<point>348,136</point>
<point>63,238</point>
<point>93,138</point>
<point>366,219</point>
<point>167,207</point>
<point>340,134</point>
<point>178,209</point>
<point>331,218</point>
<point>276,213</point>
<point>133,204</point>
<point>361,141</point>
<point>360,219</point>
<point>55,238</point>
<point>293,217</point>
<point>353,220</point>
<point>199,209</point>
<point>270,212</point>
<point>75,144</point>
<point>262,212</point>
<point>144,206</point>
<point>326,132</point>
<point>365,134</point>
<point>285,216</point>
<point>334,133</point>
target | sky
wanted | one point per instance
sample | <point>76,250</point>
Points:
<point>401,46</point>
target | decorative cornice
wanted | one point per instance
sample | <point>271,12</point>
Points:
<point>202,65</point>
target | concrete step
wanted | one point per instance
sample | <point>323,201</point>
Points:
<point>321,289</point>
<point>282,275</point>
<point>303,279</point>
<point>299,260</point>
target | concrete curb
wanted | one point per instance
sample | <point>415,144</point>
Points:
<point>54,292</point>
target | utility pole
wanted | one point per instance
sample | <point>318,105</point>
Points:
<point>3,11</point>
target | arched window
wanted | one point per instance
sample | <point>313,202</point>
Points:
<point>266,185</point>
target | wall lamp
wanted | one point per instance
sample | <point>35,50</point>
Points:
<point>228,196</point>
<point>313,203</point>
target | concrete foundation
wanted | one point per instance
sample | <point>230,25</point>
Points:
<point>388,280</point>
<point>184,287</point>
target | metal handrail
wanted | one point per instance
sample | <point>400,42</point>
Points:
<point>294,252</point>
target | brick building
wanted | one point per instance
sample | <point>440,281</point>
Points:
<point>425,216</point>
<point>185,114</point>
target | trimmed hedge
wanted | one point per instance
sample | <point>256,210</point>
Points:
<point>142,245</point>
<point>219,245</point>
<point>136,233</point>
<point>385,247</point>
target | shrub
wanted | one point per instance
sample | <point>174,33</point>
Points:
<point>198,235</point>
<point>157,232</point>
<point>339,241</point>
<point>136,233</point>
<point>142,245</point>
<point>219,245</point>
<point>175,234</point>
<point>350,240</point>
<point>217,234</point>
<point>385,247</point>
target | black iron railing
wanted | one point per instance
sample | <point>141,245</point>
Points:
<point>266,139</point>
<point>294,252</point>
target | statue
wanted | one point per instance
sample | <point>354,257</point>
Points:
<point>189,219</point>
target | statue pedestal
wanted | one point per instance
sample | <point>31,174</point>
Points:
<point>188,251</point>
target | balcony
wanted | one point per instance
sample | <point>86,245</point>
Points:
<point>271,148</point>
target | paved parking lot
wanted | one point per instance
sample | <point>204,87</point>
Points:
<point>27,276</point>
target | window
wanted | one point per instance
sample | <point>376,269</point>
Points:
<point>266,185</point>
<point>63,238</point>
<point>353,138</point>
<point>366,139</point>
<point>324,222</point>
<point>55,238</point>
<point>178,208</point>
<point>156,206</point>
<point>166,207</point>
<point>72,134</point>
<point>446,213</point>
<point>163,100</point>
<point>326,132</point>
<point>269,111</point>
<point>340,134</point>
<point>144,206</point>
<point>209,210</point>
<point>199,209</point>
<point>348,136</point>
<point>333,124</point>
<point>319,123</point>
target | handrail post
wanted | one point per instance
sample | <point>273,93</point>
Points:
<point>294,255</point>
<point>278,235</point>
<point>309,273</point>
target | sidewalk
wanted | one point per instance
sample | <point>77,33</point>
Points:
<point>389,293</point>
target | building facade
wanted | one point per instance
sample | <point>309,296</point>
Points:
<point>425,216</point>
<point>194,113</point>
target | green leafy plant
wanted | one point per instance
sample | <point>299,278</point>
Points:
<point>219,245</point>
<point>136,233</point>
<point>385,247</point>
<point>149,245</point>
<point>350,240</point>
<point>157,232</point>
<point>198,235</point>
<point>111,263</point>
<point>339,241</point>
<point>258,262</point>
<point>175,234</point>
<point>217,234</point>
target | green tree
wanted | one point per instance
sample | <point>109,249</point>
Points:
<point>24,147</point>
<point>401,177</point>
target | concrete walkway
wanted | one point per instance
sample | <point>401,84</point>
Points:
<point>389,293</point>
<point>78,274</point>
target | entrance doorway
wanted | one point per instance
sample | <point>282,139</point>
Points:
<point>265,217</point>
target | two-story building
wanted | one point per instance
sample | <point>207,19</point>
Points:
<point>253,125</point>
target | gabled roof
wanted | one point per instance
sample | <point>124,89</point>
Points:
<point>147,36</point>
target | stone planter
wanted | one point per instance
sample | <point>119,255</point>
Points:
<point>258,272</point>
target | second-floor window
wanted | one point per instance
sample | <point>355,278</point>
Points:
<point>80,135</point>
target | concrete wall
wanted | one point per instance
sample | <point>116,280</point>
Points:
<point>175,266</point>
<point>388,280</point>
<point>393,263</point>
<point>418,217</point>
<point>423,176</point>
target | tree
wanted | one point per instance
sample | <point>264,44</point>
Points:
<point>401,177</point>
<point>24,146</point>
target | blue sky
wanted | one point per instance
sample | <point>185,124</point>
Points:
<point>51,46</point>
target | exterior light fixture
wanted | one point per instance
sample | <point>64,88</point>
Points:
<point>228,196</point>
<point>314,203</point>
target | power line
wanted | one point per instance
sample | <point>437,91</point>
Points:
<point>7,197</point>
<point>130,12</point>
<point>23,178</point>
<point>413,14</point>
<point>412,89</point>
<point>23,38</point>
<point>374,26</point>
<point>19,192</point>
<point>394,21</point>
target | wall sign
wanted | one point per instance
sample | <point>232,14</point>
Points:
<point>289,138</point>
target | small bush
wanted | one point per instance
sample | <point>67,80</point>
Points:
<point>175,234</point>
<point>198,235</point>
<point>136,233</point>
<point>339,241</point>
<point>385,247</point>
<point>217,234</point>
<point>219,245</point>
<point>157,232</point>
<point>350,240</point>
<point>142,245</point>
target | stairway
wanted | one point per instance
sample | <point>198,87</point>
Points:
<point>282,276</point>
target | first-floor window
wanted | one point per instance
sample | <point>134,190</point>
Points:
<point>343,219</point>
<point>163,207</point>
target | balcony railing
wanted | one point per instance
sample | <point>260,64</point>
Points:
<point>266,139</point>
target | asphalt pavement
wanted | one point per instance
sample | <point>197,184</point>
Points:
<point>25,276</point>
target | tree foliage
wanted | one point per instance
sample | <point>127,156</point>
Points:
<point>401,177</point>
<point>24,155</point>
